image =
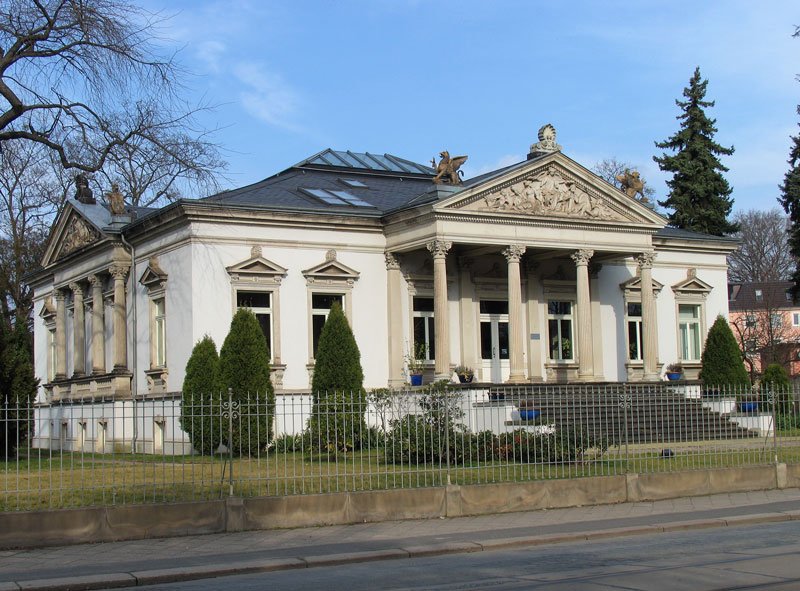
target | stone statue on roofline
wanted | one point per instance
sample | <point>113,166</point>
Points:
<point>448,169</point>
<point>115,200</point>
<point>82,191</point>
<point>547,142</point>
<point>632,184</point>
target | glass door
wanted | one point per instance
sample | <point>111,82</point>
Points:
<point>494,340</point>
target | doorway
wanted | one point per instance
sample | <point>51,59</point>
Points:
<point>494,341</point>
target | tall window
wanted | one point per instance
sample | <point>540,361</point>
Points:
<point>260,303</point>
<point>424,331</point>
<point>635,342</point>
<point>159,333</point>
<point>689,329</point>
<point>321,304</point>
<point>559,330</point>
<point>51,354</point>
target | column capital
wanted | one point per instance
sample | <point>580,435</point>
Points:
<point>514,252</point>
<point>119,271</point>
<point>59,295</point>
<point>77,288</point>
<point>646,259</point>
<point>392,260</point>
<point>94,280</point>
<point>439,248</point>
<point>582,256</point>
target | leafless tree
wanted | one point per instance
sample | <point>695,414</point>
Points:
<point>610,168</point>
<point>85,77</point>
<point>764,252</point>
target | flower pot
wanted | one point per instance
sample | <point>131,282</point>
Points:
<point>464,378</point>
<point>416,379</point>
<point>749,406</point>
<point>529,414</point>
<point>674,376</point>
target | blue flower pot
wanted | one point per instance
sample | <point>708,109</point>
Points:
<point>674,376</point>
<point>416,379</point>
<point>529,414</point>
<point>748,407</point>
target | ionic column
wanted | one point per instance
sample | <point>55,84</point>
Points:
<point>513,254</point>
<point>78,331</point>
<point>98,326</point>
<point>439,248</point>
<point>649,328</point>
<point>119,273</point>
<point>61,335</point>
<point>393,296</point>
<point>584,332</point>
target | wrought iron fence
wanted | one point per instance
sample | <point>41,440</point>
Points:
<point>100,452</point>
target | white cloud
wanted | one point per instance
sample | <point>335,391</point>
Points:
<point>267,96</point>
<point>210,53</point>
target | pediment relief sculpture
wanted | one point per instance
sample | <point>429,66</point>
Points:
<point>550,193</point>
<point>77,234</point>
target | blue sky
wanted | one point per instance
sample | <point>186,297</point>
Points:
<point>414,77</point>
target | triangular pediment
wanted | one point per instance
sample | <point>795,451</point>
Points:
<point>257,267</point>
<point>72,232</point>
<point>154,277</point>
<point>331,269</point>
<point>634,285</point>
<point>692,285</point>
<point>553,187</point>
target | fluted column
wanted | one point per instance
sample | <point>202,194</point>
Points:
<point>78,331</point>
<point>395,320</point>
<point>61,335</point>
<point>119,273</point>
<point>98,326</point>
<point>513,254</point>
<point>439,249</point>
<point>584,332</point>
<point>649,328</point>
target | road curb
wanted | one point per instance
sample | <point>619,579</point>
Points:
<point>189,573</point>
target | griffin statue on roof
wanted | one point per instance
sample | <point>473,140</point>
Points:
<point>447,170</point>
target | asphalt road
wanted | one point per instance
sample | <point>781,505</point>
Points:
<point>763,557</point>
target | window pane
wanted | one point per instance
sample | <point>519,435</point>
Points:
<point>494,306</point>
<point>502,336</point>
<point>431,339</point>
<point>486,340</point>
<point>552,332</point>
<point>688,312</point>
<point>423,304</point>
<point>695,341</point>
<point>317,322</point>
<point>324,301</point>
<point>566,339</point>
<point>633,341</point>
<point>559,308</point>
<point>419,331</point>
<point>634,309</point>
<point>264,322</point>
<point>253,299</point>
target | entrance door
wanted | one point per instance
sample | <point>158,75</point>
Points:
<point>494,340</point>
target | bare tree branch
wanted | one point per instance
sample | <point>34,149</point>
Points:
<point>764,252</point>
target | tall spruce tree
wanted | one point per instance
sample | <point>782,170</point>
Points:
<point>18,386</point>
<point>337,420</point>
<point>699,195</point>
<point>244,367</point>
<point>790,200</point>
<point>202,397</point>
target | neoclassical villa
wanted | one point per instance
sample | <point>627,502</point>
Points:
<point>537,272</point>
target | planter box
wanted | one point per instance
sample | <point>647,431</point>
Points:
<point>761,422</point>
<point>722,406</point>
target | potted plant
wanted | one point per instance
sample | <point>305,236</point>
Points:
<point>527,410</point>
<point>465,373</point>
<point>415,361</point>
<point>674,371</point>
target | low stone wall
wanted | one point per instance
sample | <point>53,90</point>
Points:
<point>103,524</point>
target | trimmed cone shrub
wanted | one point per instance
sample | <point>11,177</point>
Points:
<point>201,398</point>
<point>337,420</point>
<point>18,386</point>
<point>244,367</point>
<point>722,362</point>
<point>776,382</point>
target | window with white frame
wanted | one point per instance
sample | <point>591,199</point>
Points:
<point>424,329</point>
<point>690,331</point>
<point>776,320</point>
<point>159,332</point>
<point>260,303</point>
<point>321,304</point>
<point>634,324</point>
<point>51,354</point>
<point>559,330</point>
<point>795,319</point>
<point>750,321</point>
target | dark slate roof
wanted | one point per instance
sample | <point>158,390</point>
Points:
<point>100,215</point>
<point>391,183</point>
<point>744,296</point>
<point>669,232</point>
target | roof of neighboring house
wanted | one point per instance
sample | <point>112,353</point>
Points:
<point>760,295</point>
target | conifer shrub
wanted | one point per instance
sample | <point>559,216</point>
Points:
<point>337,422</point>
<point>18,386</point>
<point>776,381</point>
<point>244,367</point>
<point>202,396</point>
<point>722,364</point>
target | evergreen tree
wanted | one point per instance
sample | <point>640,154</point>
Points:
<point>722,364</point>
<point>202,396</point>
<point>18,386</point>
<point>699,195</point>
<point>244,367</point>
<point>337,421</point>
<point>790,200</point>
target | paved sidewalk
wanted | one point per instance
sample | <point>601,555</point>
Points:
<point>141,562</point>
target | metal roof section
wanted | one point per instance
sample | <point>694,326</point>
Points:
<point>365,161</point>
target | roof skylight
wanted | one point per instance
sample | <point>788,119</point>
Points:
<point>336,197</point>
<point>353,183</point>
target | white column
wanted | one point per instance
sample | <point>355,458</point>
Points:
<point>649,328</point>
<point>394,298</point>
<point>439,249</point>
<point>536,341</point>
<point>98,326</point>
<point>61,335</point>
<point>119,273</point>
<point>78,331</point>
<point>584,332</point>
<point>513,254</point>
<point>469,331</point>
